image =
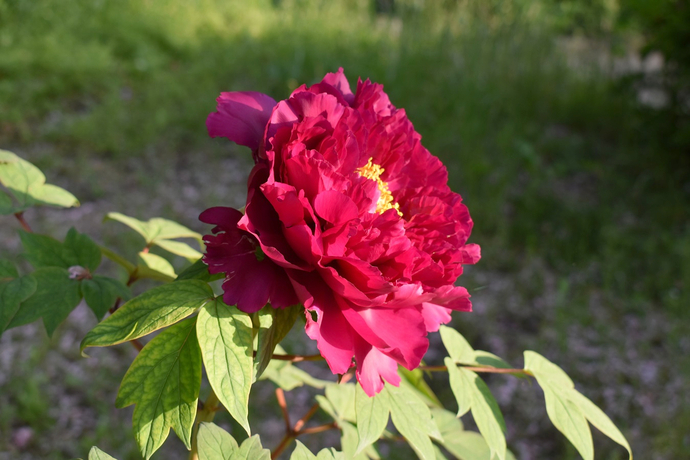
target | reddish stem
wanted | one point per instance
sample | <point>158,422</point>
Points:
<point>488,370</point>
<point>24,224</point>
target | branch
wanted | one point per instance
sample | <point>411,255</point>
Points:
<point>24,224</point>
<point>487,370</point>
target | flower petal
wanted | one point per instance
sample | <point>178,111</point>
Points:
<point>241,117</point>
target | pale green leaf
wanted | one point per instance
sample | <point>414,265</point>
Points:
<point>547,370</point>
<point>225,338</point>
<point>598,418</point>
<point>100,293</point>
<point>301,452</point>
<point>155,267</point>
<point>155,229</point>
<point>462,386</point>
<point>349,441</point>
<point>274,325</point>
<point>178,248</point>
<point>288,377</point>
<point>414,379</point>
<point>484,358</point>
<point>487,415</point>
<point>52,195</point>
<point>330,454</point>
<point>372,417</point>
<point>152,310</point>
<point>342,397</point>
<point>97,454</point>
<point>564,414</point>
<point>118,259</point>
<point>14,291</point>
<point>27,184</point>
<point>164,382</point>
<point>458,347</point>
<point>251,449</point>
<point>214,443</point>
<point>412,419</point>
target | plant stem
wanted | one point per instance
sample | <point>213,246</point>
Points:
<point>205,414</point>
<point>488,370</point>
<point>297,358</point>
<point>24,224</point>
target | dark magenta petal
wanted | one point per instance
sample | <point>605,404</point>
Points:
<point>241,117</point>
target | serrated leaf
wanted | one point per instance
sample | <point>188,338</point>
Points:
<point>214,443</point>
<point>461,386</point>
<point>178,248</point>
<point>154,267</point>
<point>164,382</point>
<point>274,325</point>
<point>152,310</point>
<point>100,293</point>
<point>342,397</point>
<point>97,454</point>
<point>412,419</point>
<point>372,417</point>
<point>225,338</point>
<point>458,348</point>
<point>55,297</point>
<point>27,184</point>
<point>414,379</point>
<point>487,416</point>
<point>13,291</point>
<point>79,249</point>
<point>598,418</point>
<point>301,452</point>
<point>251,449</point>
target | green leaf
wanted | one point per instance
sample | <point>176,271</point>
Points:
<point>80,250</point>
<point>214,443</point>
<point>198,271</point>
<point>152,310</point>
<point>301,452</point>
<point>288,377</point>
<point>118,259</point>
<point>251,449</point>
<point>458,348</point>
<point>598,418</point>
<point>6,207</point>
<point>487,416</point>
<point>100,293</point>
<point>164,382</point>
<point>55,297</point>
<point>178,248</point>
<point>414,380</point>
<point>43,251</point>
<point>484,358</point>
<point>461,385</point>
<point>274,325</point>
<point>413,420</point>
<point>372,417</point>
<point>27,184</point>
<point>97,454</point>
<point>564,414</point>
<point>13,291</point>
<point>330,454</point>
<point>349,441</point>
<point>342,398</point>
<point>154,267</point>
<point>225,338</point>
<point>8,270</point>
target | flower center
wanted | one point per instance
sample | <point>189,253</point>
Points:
<point>373,172</point>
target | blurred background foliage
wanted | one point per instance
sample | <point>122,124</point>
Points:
<point>564,124</point>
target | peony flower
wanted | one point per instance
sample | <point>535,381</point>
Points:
<point>347,214</point>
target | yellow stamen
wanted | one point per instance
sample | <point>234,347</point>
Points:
<point>373,172</point>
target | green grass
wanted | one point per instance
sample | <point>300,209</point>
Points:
<point>558,165</point>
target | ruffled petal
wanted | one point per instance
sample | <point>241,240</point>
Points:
<point>241,117</point>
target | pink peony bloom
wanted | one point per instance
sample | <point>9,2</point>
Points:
<point>348,214</point>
